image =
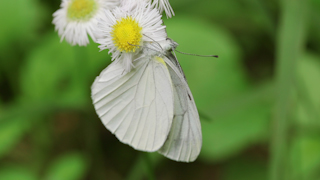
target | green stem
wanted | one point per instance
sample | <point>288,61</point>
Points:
<point>81,64</point>
<point>149,166</point>
<point>290,43</point>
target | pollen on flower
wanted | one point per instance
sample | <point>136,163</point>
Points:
<point>126,34</point>
<point>81,9</point>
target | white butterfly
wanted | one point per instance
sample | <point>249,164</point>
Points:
<point>150,108</point>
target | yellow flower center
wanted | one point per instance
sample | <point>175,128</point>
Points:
<point>81,9</point>
<point>127,34</point>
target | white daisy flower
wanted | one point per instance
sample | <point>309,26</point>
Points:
<point>164,5</point>
<point>126,32</point>
<point>161,5</point>
<point>76,19</point>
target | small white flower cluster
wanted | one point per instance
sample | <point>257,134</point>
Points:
<point>122,26</point>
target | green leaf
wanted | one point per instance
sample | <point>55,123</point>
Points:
<point>97,60</point>
<point>308,91</point>
<point>11,132</point>
<point>208,8</point>
<point>217,85</point>
<point>13,172</point>
<point>60,72</point>
<point>48,72</point>
<point>19,20</point>
<point>305,156</point>
<point>238,125</point>
<point>211,80</point>
<point>71,166</point>
<point>249,13</point>
<point>304,152</point>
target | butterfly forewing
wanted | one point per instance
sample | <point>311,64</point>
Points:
<point>136,106</point>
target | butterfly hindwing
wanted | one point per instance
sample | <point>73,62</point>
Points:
<point>185,138</point>
<point>136,106</point>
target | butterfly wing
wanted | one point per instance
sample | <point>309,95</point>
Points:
<point>185,139</point>
<point>136,106</point>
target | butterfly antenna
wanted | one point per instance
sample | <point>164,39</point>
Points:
<point>154,41</point>
<point>216,56</point>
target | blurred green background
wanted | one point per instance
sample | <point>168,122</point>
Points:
<point>259,101</point>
